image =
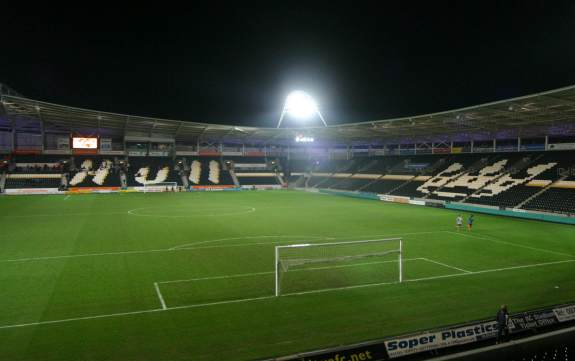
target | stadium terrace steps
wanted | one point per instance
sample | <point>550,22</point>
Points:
<point>209,172</point>
<point>560,200</point>
<point>264,180</point>
<point>408,190</point>
<point>500,179</point>
<point>33,181</point>
<point>352,184</point>
<point>540,191</point>
<point>150,170</point>
<point>94,172</point>
<point>195,172</point>
<point>383,186</point>
<point>468,166</point>
<point>497,178</point>
<point>253,170</point>
<point>296,180</point>
<point>529,180</point>
<point>202,171</point>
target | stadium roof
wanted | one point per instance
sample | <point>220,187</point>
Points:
<point>547,113</point>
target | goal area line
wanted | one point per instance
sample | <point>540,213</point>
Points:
<point>202,305</point>
<point>460,272</point>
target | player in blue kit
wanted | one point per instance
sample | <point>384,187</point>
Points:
<point>470,222</point>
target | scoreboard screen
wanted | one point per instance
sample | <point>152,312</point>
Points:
<point>85,143</point>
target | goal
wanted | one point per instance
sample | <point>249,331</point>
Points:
<point>306,268</point>
<point>160,187</point>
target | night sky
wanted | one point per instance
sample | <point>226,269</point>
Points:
<point>235,65</point>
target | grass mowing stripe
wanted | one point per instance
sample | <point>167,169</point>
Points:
<point>175,249</point>
<point>512,244</point>
<point>253,327</point>
<point>137,252</point>
<point>199,305</point>
<point>239,275</point>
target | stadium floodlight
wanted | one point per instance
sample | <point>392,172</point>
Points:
<point>300,105</point>
<point>304,139</point>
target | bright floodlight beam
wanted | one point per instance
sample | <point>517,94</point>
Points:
<point>301,105</point>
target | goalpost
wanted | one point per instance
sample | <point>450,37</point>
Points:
<point>160,187</point>
<point>332,265</point>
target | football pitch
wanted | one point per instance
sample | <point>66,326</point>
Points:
<point>190,276</point>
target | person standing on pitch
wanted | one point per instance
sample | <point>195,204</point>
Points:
<point>502,318</point>
<point>458,222</point>
<point>470,222</point>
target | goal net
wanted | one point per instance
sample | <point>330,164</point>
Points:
<point>319,266</point>
<point>161,187</point>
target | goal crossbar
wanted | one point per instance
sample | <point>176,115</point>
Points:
<point>286,263</point>
<point>337,243</point>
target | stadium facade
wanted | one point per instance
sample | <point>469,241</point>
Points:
<point>514,154</point>
<point>542,115</point>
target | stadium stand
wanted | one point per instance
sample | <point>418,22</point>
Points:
<point>559,200</point>
<point>384,185</point>
<point>33,171</point>
<point>537,181</point>
<point>95,171</point>
<point>256,170</point>
<point>195,172</point>
<point>214,173</point>
<point>16,181</point>
<point>151,170</point>
<point>497,179</point>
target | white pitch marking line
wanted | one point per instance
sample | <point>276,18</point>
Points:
<point>429,278</point>
<point>159,293</point>
<point>80,318</point>
<point>492,270</point>
<point>198,305</point>
<point>68,196</point>
<point>247,211</point>
<point>31,259</point>
<point>267,297</point>
<point>240,275</point>
<point>446,265</point>
<point>61,215</point>
<point>512,244</point>
<point>237,213</point>
<point>389,235</point>
<point>310,237</point>
<point>246,237</point>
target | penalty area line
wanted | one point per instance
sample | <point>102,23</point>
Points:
<point>511,244</point>
<point>427,278</point>
<point>446,265</point>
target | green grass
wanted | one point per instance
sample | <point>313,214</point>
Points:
<point>119,247</point>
